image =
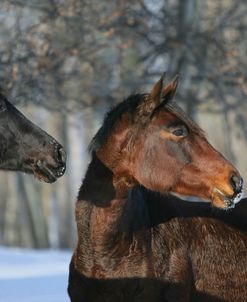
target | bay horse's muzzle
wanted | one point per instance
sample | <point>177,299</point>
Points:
<point>225,201</point>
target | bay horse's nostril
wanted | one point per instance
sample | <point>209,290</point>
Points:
<point>236,182</point>
<point>60,154</point>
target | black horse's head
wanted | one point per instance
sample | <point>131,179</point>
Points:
<point>25,147</point>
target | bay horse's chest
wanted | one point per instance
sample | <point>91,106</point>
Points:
<point>105,252</point>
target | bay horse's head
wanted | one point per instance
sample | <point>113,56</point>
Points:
<point>149,140</point>
<point>25,147</point>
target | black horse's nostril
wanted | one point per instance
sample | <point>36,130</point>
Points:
<point>60,155</point>
<point>237,183</point>
<point>61,170</point>
<point>61,159</point>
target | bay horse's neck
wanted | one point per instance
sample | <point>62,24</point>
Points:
<point>106,225</point>
<point>97,187</point>
<point>135,212</point>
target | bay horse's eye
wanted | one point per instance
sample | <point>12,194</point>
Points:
<point>181,131</point>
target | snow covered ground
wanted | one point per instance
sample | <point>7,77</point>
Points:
<point>33,276</point>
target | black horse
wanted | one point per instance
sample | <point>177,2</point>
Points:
<point>27,148</point>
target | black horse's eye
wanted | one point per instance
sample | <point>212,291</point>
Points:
<point>181,131</point>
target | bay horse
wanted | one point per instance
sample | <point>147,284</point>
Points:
<point>146,142</point>
<point>27,148</point>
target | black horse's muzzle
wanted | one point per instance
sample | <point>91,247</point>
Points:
<point>49,170</point>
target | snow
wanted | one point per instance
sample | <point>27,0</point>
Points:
<point>33,276</point>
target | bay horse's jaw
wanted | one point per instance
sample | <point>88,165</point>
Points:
<point>220,191</point>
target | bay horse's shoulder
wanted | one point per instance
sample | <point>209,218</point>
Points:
<point>178,229</point>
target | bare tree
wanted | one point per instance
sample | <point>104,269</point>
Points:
<point>69,61</point>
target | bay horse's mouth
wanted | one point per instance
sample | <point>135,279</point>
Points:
<point>47,173</point>
<point>225,201</point>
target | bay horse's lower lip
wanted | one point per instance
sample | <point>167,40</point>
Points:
<point>228,201</point>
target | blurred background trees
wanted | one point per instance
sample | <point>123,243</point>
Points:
<point>65,63</point>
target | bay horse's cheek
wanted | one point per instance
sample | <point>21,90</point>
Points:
<point>158,174</point>
<point>187,188</point>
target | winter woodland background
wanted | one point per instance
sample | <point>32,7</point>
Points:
<point>64,63</point>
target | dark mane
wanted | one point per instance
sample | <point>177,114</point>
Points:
<point>146,209</point>
<point>129,105</point>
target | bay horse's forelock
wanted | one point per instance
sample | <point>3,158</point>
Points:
<point>126,256</point>
<point>27,148</point>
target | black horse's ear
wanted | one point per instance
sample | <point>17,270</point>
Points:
<point>170,89</point>
<point>153,99</point>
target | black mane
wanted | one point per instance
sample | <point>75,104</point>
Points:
<point>128,105</point>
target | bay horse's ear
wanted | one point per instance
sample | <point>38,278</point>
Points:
<point>170,89</point>
<point>153,99</point>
